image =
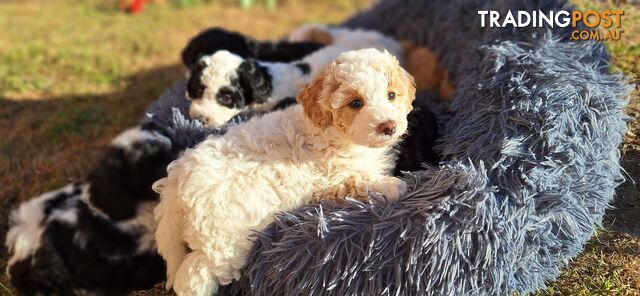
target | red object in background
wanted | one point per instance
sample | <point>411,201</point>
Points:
<point>136,6</point>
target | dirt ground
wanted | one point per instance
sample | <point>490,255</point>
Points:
<point>74,77</point>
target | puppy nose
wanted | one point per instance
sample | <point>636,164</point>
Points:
<point>388,128</point>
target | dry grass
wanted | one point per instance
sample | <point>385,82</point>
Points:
<point>73,74</point>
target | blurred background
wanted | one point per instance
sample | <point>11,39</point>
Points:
<point>73,74</point>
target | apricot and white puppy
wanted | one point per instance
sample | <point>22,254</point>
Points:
<point>336,143</point>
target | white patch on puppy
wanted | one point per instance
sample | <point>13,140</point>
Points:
<point>28,221</point>
<point>337,143</point>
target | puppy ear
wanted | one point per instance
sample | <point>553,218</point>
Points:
<point>410,87</point>
<point>255,82</point>
<point>310,98</point>
<point>195,86</point>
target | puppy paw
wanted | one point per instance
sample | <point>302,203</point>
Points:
<point>194,276</point>
<point>391,187</point>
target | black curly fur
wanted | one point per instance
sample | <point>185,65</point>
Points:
<point>416,149</point>
<point>255,82</point>
<point>195,87</point>
<point>125,175</point>
<point>214,39</point>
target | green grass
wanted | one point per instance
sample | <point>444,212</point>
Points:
<point>627,57</point>
<point>56,48</point>
<point>73,74</point>
<point>69,49</point>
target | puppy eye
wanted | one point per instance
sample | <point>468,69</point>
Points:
<point>357,103</point>
<point>392,96</point>
<point>225,99</point>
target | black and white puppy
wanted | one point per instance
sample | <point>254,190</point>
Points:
<point>223,84</point>
<point>95,237</point>
<point>214,39</point>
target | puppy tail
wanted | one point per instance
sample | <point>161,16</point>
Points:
<point>171,245</point>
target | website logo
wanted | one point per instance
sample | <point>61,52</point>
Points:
<point>602,25</point>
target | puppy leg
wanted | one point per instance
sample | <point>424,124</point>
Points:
<point>194,278</point>
<point>391,187</point>
<point>351,187</point>
<point>169,235</point>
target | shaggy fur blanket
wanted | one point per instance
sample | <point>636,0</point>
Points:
<point>530,165</point>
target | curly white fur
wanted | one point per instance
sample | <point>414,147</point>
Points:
<point>218,193</point>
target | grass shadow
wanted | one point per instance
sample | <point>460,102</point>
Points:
<point>49,142</point>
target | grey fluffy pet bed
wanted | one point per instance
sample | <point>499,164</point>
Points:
<point>530,165</point>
